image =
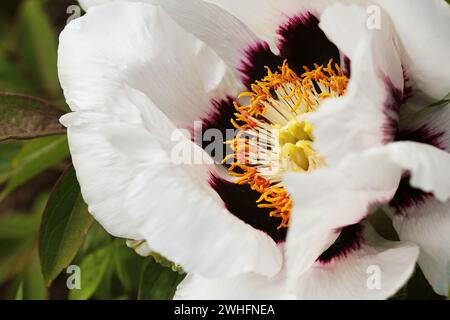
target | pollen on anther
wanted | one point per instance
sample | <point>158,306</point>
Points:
<point>273,138</point>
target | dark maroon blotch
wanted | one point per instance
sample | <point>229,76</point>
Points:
<point>218,118</point>
<point>303,43</point>
<point>257,57</point>
<point>240,200</point>
<point>407,87</point>
<point>423,134</point>
<point>395,100</point>
<point>407,196</point>
<point>346,68</point>
<point>391,111</point>
<point>349,240</point>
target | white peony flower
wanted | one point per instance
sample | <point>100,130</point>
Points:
<point>133,72</point>
<point>402,144</point>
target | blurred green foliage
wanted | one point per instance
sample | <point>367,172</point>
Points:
<point>44,222</point>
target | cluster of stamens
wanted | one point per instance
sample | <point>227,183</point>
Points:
<point>273,137</point>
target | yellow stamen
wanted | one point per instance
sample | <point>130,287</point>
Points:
<point>272,122</point>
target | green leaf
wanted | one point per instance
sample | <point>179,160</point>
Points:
<point>38,46</point>
<point>65,223</point>
<point>105,290</point>
<point>18,234</point>
<point>157,282</point>
<point>93,269</point>
<point>128,266</point>
<point>16,238</point>
<point>18,226</point>
<point>96,238</point>
<point>6,34</point>
<point>30,285</point>
<point>19,291</point>
<point>8,150</point>
<point>33,285</point>
<point>10,78</point>
<point>35,157</point>
<point>13,265</point>
<point>25,117</point>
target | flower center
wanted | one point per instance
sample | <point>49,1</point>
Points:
<point>274,138</point>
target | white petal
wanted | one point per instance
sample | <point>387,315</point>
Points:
<point>135,190</point>
<point>428,225</point>
<point>429,125</point>
<point>423,27</point>
<point>86,4</point>
<point>328,199</point>
<point>104,170</point>
<point>108,150</point>
<point>377,270</point>
<point>180,217</point>
<point>242,287</point>
<point>362,117</point>
<point>264,17</point>
<point>429,166</point>
<point>139,45</point>
<point>221,31</point>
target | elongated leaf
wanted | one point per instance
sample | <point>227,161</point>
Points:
<point>25,117</point>
<point>6,34</point>
<point>93,269</point>
<point>18,226</point>
<point>96,238</point>
<point>33,286</point>
<point>38,47</point>
<point>18,235</point>
<point>10,78</point>
<point>35,157</point>
<point>128,266</point>
<point>157,282</point>
<point>64,225</point>
<point>18,292</point>
<point>105,290</point>
<point>10,267</point>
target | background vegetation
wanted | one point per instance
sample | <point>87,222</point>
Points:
<point>44,223</point>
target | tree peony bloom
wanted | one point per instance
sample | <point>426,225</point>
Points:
<point>401,145</point>
<point>317,97</point>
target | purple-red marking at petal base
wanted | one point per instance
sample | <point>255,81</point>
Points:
<point>346,67</point>
<point>391,110</point>
<point>218,118</point>
<point>303,43</point>
<point>349,240</point>
<point>257,57</point>
<point>423,134</point>
<point>407,196</point>
<point>240,200</point>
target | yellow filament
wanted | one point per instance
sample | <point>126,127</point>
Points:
<point>300,94</point>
